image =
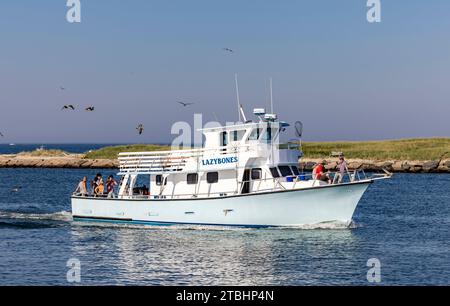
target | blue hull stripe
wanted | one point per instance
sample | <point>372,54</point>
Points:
<point>158,223</point>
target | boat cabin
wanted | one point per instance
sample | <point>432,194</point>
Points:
<point>235,159</point>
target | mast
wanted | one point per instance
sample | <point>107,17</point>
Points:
<point>237,96</point>
<point>271,97</point>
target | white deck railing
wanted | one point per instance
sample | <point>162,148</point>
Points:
<point>171,161</point>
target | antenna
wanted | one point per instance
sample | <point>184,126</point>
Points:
<point>215,116</point>
<point>237,96</point>
<point>242,113</point>
<point>271,97</point>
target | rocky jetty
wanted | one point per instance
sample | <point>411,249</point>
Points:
<point>78,161</point>
<point>68,161</point>
<point>407,166</point>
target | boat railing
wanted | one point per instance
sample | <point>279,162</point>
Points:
<point>175,160</point>
<point>352,176</point>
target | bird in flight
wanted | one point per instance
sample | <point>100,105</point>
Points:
<point>140,128</point>
<point>62,88</point>
<point>185,103</point>
<point>90,108</point>
<point>16,189</point>
<point>228,50</point>
<point>69,106</point>
<point>1,134</point>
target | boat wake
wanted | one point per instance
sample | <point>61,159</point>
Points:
<point>194,227</point>
<point>333,225</point>
<point>64,216</point>
<point>175,227</point>
<point>20,219</point>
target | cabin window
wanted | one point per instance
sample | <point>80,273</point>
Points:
<point>192,178</point>
<point>256,173</point>
<point>212,177</point>
<point>274,172</point>
<point>267,135</point>
<point>224,139</point>
<point>295,170</point>
<point>159,180</point>
<point>285,170</point>
<point>237,135</point>
<point>255,134</point>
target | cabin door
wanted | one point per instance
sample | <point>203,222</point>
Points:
<point>246,182</point>
<point>224,141</point>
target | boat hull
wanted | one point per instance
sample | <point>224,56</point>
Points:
<point>333,203</point>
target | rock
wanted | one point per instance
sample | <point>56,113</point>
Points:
<point>430,165</point>
<point>415,166</point>
<point>406,166</point>
<point>444,166</point>
<point>384,165</point>
<point>307,166</point>
<point>397,166</point>
<point>354,165</point>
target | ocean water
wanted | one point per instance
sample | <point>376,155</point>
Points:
<point>403,222</point>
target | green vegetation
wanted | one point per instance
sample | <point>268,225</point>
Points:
<point>45,153</point>
<point>112,152</point>
<point>403,149</point>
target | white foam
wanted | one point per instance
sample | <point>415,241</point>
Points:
<point>176,227</point>
<point>66,216</point>
<point>57,216</point>
<point>333,225</point>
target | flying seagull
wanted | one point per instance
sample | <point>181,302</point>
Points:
<point>69,106</point>
<point>62,88</point>
<point>140,128</point>
<point>185,103</point>
<point>228,50</point>
<point>90,108</point>
<point>1,135</point>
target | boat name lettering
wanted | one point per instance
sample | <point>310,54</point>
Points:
<point>219,161</point>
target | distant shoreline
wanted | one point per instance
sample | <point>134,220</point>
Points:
<point>77,161</point>
<point>422,155</point>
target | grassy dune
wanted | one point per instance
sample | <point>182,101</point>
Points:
<point>44,153</point>
<point>112,152</point>
<point>404,149</point>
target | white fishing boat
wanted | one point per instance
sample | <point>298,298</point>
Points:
<point>242,176</point>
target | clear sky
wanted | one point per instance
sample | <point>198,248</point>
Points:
<point>345,78</point>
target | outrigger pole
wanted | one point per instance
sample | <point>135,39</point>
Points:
<point>271,97</point>
<point>237,96</point>
<point>240,108</point>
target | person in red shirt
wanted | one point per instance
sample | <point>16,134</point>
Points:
<point>318,173</point>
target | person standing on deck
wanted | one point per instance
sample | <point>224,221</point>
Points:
<point>95,182</point>
<point>342,168</point>
<point>82,188</point>
<point>100,189</point>
<point>110,184</point>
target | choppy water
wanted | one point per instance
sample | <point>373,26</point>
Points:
<point>404,222</point>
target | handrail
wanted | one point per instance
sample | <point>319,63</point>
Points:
<point>233,192</point>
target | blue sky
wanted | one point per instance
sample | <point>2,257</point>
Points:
<point>345,78</point>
